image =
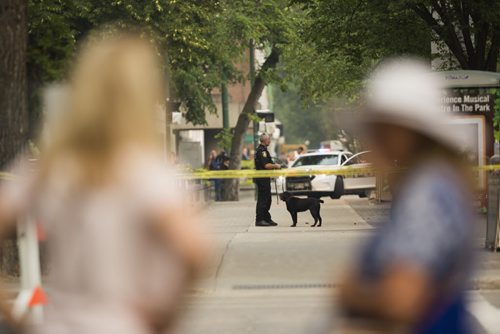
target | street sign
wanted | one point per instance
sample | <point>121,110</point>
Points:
<point>266,116</point>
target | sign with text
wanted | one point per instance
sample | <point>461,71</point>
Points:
<point>475,103</point>
<point>468,104</point>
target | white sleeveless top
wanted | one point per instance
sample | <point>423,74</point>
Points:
<point>107,263</point>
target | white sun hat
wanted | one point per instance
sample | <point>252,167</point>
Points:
<point>404,92</point>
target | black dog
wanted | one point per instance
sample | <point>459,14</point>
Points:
<point>296,204</point>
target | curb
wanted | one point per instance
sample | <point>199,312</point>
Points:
<point>485,284</point>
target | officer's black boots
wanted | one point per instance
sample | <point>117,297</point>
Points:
<point>263,223</point>
<point>266,223</point>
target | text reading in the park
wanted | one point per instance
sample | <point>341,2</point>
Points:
<point>468,103</point>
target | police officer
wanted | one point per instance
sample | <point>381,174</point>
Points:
<point>263,161</point>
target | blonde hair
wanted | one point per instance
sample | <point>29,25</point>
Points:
<point>115,92</point>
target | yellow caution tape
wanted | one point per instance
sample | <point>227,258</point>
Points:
<point>6,176</point>
<point>287,172</point>
<point>293,172</point>
<point>487,168</point>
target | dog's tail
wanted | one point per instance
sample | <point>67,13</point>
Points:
<point>321,201</point>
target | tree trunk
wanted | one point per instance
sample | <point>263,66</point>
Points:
<point>13,100</point>
<point>470,55</point>
<point>492,57</point>
<point>230,187</point>
<point>13,95</point>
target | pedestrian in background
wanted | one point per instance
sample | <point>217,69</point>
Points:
<point>123,242</point>
<point>263,161</point>
<point>290,158</point>
<point>214,164</point>
<point>211,160</point>
<point>299,152</point>
<point>244,154</point>
<point>412,273</point>
<point>221,162</point>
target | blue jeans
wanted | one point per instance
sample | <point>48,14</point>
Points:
<point>218,189</point>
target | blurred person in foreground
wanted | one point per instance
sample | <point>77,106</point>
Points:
<point>412,273</point>
<point>123,242</point>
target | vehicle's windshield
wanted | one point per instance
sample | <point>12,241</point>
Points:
<point>322,160</point>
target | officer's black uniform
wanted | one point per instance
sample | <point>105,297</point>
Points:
<point>262,157</point>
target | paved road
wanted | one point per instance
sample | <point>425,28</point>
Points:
<point>282,279</point>
<point>272,280</point>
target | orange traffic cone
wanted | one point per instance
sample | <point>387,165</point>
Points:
<point>38,297</point>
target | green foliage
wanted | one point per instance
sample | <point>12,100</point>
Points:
<point>247,164</point>
<point>189,30</point>
<point>51,39</point>
<point>366,30</point>
<point>300,122</point>
<point>204,40</point>
<point>360,33</point>
<point>254,118</point>
<point>326,46</point>
<point>340,41</point>
<point>224,138</point>
<point>313,122</point>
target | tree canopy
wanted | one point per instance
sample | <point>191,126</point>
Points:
<point>326,46</point>
<point>340,41</point>
<point>301,122</point>
<point>321,48</point>
<point>193,32</point>
<point>205,40</point>
<point>364,31</point>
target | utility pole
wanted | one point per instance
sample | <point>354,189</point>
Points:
<point>225,106</point>
<point>251,51</point>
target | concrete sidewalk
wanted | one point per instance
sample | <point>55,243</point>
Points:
<point>282,279</point>
<point>487,274</point>
<point>256,256</point>
<point>488,271</point>
<point>272,279</point>
<point>247,256</point>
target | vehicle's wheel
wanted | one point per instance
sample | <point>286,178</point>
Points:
<point>339,188</point>
<point>363,194</point>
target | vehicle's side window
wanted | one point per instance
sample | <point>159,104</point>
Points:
<point>329,160</point>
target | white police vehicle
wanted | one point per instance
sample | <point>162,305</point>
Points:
<point>330,185</point>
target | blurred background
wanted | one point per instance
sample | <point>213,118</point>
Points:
<point>294,69</point>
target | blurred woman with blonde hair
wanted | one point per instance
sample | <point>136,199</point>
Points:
<point>122,240</point>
